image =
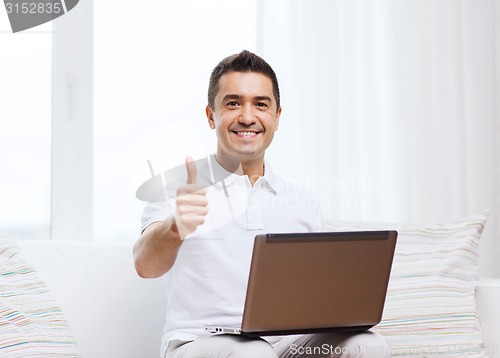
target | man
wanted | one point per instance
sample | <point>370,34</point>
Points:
<point>202,235</point>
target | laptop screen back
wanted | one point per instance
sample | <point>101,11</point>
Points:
<point>316,282</point>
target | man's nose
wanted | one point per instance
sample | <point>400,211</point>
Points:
<point>247,115</point>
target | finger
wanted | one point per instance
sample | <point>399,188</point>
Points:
<point>191,200</point>
<point>191,189</point>
<point>184,212</point>
<point>191,170</point>
<point>197,219</point>
<point>190,222</point>
<point>198,191</point>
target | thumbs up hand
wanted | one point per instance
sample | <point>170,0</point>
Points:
<point>191,203</point>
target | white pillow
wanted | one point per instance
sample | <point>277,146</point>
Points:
<point>31,322</point>
<point>430,307</point>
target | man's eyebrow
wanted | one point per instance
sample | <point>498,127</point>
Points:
<point>231,96</point>
<point>237,96</point>
<point>263,98</point>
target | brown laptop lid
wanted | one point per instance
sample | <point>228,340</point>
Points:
<point>315,282</point>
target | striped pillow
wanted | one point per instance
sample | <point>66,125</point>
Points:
<point>31,323</point>
<point>430,308</point>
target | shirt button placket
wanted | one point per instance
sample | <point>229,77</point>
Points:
<point>254,211</point>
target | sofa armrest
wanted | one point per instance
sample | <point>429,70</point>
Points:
<point>488,298</point>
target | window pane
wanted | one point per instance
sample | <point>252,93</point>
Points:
<point>152,65</point>
<point>25,132</point>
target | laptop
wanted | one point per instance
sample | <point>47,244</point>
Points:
<point>315,282</point>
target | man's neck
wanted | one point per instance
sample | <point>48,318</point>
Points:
<point>253,168</point>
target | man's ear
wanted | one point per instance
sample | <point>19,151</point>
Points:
<point>210,116</point>
<point>278,115</point>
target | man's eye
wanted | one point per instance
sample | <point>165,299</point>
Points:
<point>262,104</point>
<point>232,104</point>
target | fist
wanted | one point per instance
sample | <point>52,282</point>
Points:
<point>191,203</point>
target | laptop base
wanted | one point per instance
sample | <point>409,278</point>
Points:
<point>237,331</point>
<point>306,331</point>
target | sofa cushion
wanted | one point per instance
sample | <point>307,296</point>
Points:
<point>430,306</point>
<point>111,310</point>
<point>31,322</point>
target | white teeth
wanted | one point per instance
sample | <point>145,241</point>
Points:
<point>246,134</point>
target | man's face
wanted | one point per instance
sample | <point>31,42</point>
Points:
<point>245,116</point>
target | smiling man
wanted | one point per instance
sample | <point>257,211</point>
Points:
<point>201,238</point>
<point>245,117</point>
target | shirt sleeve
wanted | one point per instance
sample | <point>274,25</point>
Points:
<point>158,210</point>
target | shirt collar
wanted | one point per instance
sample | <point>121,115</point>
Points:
<point>219,175</point>
<point>270,178</point>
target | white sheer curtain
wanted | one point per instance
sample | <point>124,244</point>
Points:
<point>389,107</point>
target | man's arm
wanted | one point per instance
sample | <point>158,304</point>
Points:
<point>156,250</point>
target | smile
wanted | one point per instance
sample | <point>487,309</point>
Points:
<point>246,134</point>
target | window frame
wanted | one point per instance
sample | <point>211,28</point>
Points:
<point>72,125</point>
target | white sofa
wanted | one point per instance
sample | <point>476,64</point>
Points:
<point>114,313</point>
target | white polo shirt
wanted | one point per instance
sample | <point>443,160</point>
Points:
<point>207,284</point>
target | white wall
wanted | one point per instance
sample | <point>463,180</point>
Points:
<point>390,107</point>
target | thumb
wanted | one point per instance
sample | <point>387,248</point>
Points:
<point>191,170</point>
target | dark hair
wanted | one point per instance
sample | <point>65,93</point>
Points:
<point>245,61</point>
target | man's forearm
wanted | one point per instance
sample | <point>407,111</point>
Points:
<point>156,250</point>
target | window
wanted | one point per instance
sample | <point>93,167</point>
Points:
<point>152,65</point>
<point>25,130</point>
<point>85,105</point>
